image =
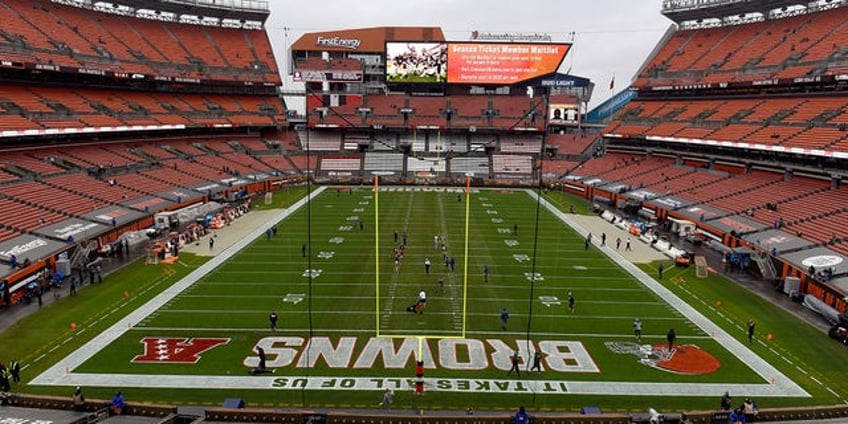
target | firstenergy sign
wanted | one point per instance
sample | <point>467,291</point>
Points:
<point>338,42</point>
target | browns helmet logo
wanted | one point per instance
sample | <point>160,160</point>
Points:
<point>683,359</point>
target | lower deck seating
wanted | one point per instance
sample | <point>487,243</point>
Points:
<point>475,165</point>
<point>5,175</point>
<point>557,167</point>
<point>422,165</point>
<point>384,162</point>
<point>809,207</point>
<point>52,198</point>
<point>321,141</point>
<point>24,161</point>
<point>570,144</point>
<point>512,165</point>
<point>514,144</point>
<point>339,163</point>
<point>7,234</point>
<point>24,217</point>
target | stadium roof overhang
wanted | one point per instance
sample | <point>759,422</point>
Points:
<point>242,10</point>
<point>559,80</point>
<point>565,84</point>
<point>694,10</point>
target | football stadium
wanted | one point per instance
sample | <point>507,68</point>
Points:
<point>443,231</point>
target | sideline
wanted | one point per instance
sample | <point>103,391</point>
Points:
<point>61,373</point>
<point>775,383</point>
<point>769,373</point>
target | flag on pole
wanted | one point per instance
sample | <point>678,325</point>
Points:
<point>612,82</point>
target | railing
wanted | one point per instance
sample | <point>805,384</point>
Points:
<point>676,5</point>
<point>229,4</point>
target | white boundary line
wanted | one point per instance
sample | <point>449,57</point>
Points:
<point>769,373</point>
<point>776,383</point>
<point>59,374</point>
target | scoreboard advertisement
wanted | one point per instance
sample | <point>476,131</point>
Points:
<point>502,63</point>
<point>472,62</point>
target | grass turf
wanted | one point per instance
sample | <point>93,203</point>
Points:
<point>235,299</point>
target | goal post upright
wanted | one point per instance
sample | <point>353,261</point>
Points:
<point>460,328</point>
<point>465,253</point>
<point>376,190</point>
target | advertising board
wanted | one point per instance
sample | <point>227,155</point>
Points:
<point>471,63</point>
<point>502,63</point>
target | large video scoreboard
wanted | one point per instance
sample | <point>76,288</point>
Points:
<point>471,62</point>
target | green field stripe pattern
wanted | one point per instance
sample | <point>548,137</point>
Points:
<point>61,373</point>
<point>231,296</point>
<point>772,377</point>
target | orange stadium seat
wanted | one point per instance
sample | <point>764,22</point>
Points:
<point>570,144</point>
<point>809,122</point>
<point>169,173</point>
<point>27,217</point>
<point>789,47</point>
<point>52,198</point>
<point>49,107</point>
<point>29,163</point>
<point>76,37</point>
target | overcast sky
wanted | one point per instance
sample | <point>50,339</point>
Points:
<point>610,36</point>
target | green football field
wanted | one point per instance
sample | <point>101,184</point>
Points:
<point>346,334</point>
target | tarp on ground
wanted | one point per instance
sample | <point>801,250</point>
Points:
<point>593,181</point>
<point>840,283</point>
<point>30,246</point>
<point>616,187</point>
<point>742,225</point>
<point>256,177</point>
<point>643,194</point>
<point>13,414</point>
<point>233,182</point>
<point>121,215</point>
<point>779,240</point>
<point>820,257</point>
<point>696,212</point>
<point>149,204</point>
<point>670,202</point>
<point>208,187</point>
<point>179,195</point>
<point>78,228</point>
<point>816,305</point>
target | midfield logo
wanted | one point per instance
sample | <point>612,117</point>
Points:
<point>176,350</point>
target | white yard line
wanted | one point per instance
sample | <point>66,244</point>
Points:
<point>59,374</point>
<point>771,375</point>
<point>506,385</point>
<point>776,384</point>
